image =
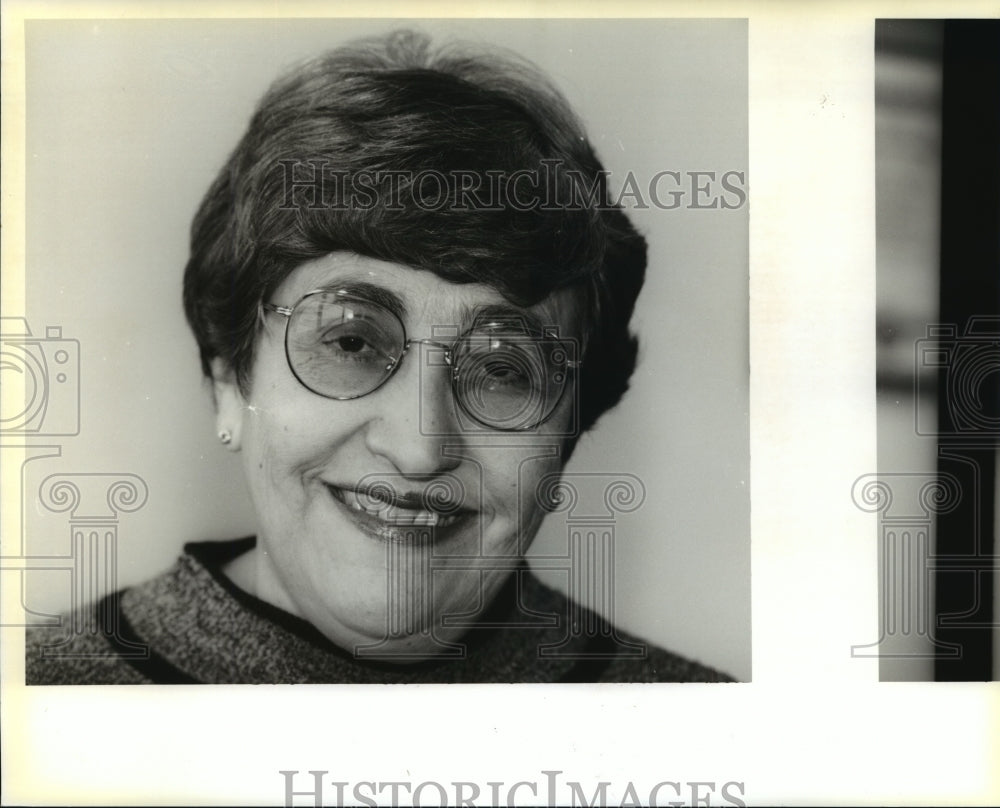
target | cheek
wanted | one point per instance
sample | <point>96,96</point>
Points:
<point>517,488</point>
<point>283,442</point>
<point>267,463</point>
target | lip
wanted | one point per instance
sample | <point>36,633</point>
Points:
<point>399,518</point>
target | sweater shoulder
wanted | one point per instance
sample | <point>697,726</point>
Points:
<point>657,664</point>
<point>610,654</point>
<point>78,651</point>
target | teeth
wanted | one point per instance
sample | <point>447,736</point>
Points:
<point>421,518</point>
<point>395,515</point>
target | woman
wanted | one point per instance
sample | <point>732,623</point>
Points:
<point>411,290</point>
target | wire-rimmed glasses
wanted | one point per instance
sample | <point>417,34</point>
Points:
<point>504,375</point>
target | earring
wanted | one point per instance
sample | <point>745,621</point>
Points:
<point>225,438</point>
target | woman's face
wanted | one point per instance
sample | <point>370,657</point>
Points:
<point>377,575</point>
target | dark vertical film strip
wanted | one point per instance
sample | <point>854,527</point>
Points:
<point>969,372</point>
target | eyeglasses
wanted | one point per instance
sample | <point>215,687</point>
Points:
<point>503,375</point>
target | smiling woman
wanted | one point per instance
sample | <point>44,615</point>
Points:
<point>334,482</point>
<point>404,375</point>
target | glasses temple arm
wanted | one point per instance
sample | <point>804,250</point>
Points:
<point>284,311</point>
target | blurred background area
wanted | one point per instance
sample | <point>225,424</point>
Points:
<point>908,86</point>
<point>937,99</point>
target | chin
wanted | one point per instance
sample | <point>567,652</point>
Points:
<point>402,604</point>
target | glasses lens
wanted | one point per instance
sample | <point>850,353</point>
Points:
<point>340,347</point>
<point>510,381</point>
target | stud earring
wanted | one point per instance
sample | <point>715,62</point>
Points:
<point>225,438</point>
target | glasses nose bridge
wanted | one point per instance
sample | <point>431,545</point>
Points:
<point>444,347</point>
<point>447,349</point>
<point>443,396</point>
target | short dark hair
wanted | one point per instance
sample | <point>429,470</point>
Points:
<point>387,109</point>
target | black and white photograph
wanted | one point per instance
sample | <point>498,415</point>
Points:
<point>422,344</point>
<point>581,405</point>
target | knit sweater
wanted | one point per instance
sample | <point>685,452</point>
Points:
<point>192,625</point>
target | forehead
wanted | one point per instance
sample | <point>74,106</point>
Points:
<point>422,299</point>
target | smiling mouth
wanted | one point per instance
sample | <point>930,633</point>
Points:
<point>389,517</point>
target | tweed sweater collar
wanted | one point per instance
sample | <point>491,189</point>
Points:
<point>199,623</point>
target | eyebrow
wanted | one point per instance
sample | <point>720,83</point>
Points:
<point>506,313</point>
<point>503,312</point>
<point>371,292</point>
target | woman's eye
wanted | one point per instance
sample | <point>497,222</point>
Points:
<point>504,375</point>
<point>500,370</point>
<point>351,344</point>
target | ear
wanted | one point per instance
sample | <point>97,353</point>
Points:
<point>230,406</point>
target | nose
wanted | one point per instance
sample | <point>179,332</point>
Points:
<point>414,417</point>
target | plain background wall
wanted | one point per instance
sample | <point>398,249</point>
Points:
<point>127,123</point>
